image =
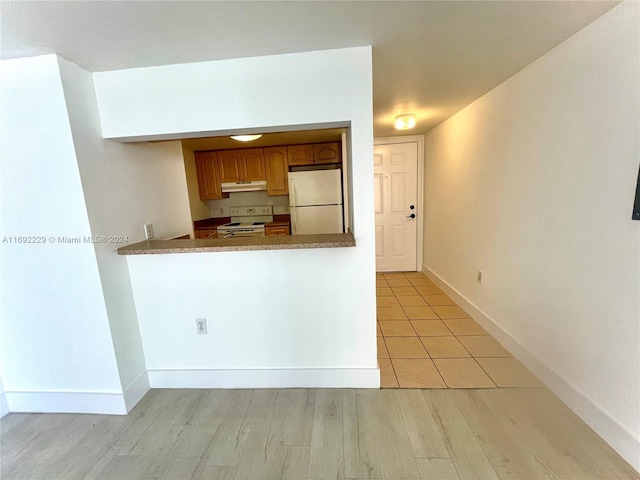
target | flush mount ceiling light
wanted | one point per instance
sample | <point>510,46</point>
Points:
<point>405,121</point>
<point>245,138</point>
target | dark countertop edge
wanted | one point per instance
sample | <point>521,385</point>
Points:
<point>286,242</point>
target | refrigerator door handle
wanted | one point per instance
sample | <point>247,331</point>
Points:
<point>292,203</point>
<point>294,222</point>
<point>293,192</point>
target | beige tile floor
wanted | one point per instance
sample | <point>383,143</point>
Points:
<point>425,340</point>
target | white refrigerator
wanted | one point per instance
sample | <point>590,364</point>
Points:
<point>315,202</point>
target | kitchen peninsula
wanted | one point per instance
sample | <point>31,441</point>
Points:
<point>284,242</point>
<point>285,318</point>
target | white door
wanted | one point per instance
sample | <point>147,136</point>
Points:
<point>396,203</point>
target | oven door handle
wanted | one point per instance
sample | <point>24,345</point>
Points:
<point>256,233</point>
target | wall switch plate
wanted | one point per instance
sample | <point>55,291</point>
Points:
<point>480,276</point>
<point>201,326</point>
<point>148,231</point>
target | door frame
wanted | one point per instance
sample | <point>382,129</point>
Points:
<point>419,140</point>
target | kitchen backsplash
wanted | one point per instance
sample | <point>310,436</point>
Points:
<point>220,208</point>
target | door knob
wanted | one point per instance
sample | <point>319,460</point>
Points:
<point>413,215</point>
<point>412,207</point>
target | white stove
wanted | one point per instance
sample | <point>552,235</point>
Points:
<point>246,221</point>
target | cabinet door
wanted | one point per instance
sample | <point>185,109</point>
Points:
<point>300,154</point>
<point>276,231</point>
<point>326,152</point>
<point>208,175</point>
<point>230,165</point>
<point>252,167</point>
<point>206,233</point>
<point>275,159</point>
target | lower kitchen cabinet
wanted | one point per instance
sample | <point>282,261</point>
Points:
<point>206,233</point>
<point>280,230</point>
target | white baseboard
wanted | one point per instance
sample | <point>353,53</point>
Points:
<point>4,406</point>
<point>138,389</point>
<point>66,402</point>
<point>267,378</point>
<point>620,438</point>
<point>121,404</point>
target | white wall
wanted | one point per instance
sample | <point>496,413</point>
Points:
<point>124,186</point>
<point>221,207</point>
<point>55,332</point>
<point>4,407</point>
<point>534,184</point>
<point>270,310</point>
<point>70,335</point>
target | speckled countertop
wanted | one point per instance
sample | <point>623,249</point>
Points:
<point>284,242</point>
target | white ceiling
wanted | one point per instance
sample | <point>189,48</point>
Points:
<point>429,57</point>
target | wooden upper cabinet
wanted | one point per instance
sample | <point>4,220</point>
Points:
<point>208,175</point>
<point>314,154</point>
<point>230,168</point>
<point>252,165</point>
<point>300,155</point>
<point>241,165</point>
<point>275,159</point>
<point>326,152</point>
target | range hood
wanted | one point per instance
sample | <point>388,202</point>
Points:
<point>244,186</point>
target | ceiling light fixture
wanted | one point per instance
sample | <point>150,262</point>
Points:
<point>245,138</point>
<point>405,121</point>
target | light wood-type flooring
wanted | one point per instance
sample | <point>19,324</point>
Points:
<point>507,433</point>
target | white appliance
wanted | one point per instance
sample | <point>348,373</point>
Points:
<point>315,202</point>
<point>244,186</point>
<point>246,221</point>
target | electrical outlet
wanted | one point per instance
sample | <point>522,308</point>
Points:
<point>148,231</point>
<point>480,276</point>
<point>201,326</point>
